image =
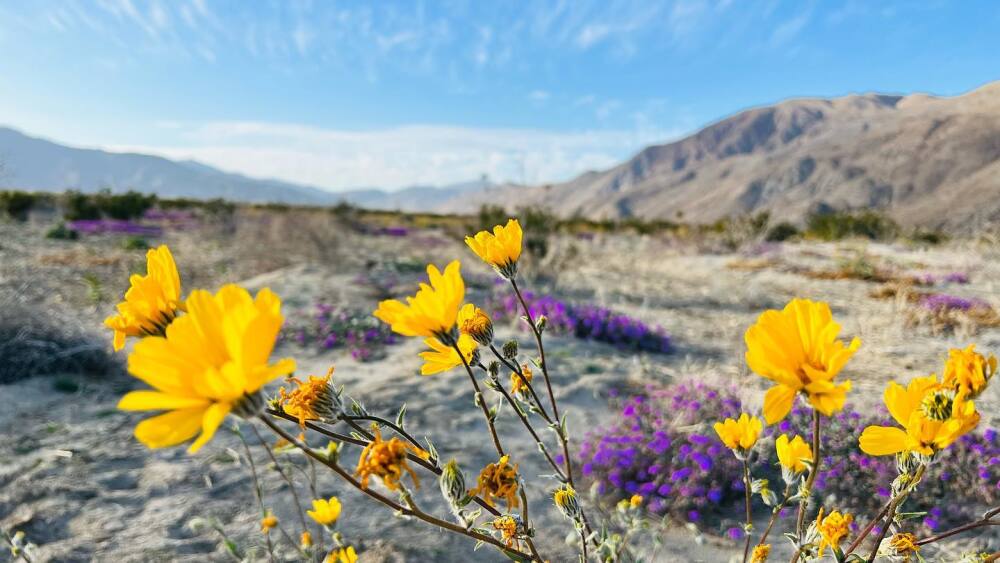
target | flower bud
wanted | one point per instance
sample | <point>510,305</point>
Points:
<point>510,349</point>
<point>452,483</point>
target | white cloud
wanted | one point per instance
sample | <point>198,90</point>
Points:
<point>787,30</point>
<point>402,156</point>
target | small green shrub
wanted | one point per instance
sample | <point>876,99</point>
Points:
<point>17,204</point>
<point>845,224</point>
<point>79,206</point>
<point>126,206</point>
<point>135,243</point>
<point>781,232</point>
<point>60,232</point>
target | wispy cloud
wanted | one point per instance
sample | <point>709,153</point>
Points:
<point>402,156</point>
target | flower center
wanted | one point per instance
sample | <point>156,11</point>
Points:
<point>937,405</point>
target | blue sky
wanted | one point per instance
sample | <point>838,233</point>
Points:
<point>342,94</point>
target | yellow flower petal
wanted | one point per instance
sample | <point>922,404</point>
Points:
<point>210,422</point>
<point>882,440</point>
<point>170,428</point>
<point>778,403</point>
<point>155,400</point>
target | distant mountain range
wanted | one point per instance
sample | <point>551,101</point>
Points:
<point>924,160</point>
<point>31,163</point>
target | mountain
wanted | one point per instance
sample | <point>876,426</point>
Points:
<point>924,160</point>
<point>31,163</point>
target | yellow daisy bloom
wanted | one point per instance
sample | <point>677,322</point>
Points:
<point>933,416</point>
<point>832,529</point>
<point>797,348</point>
<point>325,512</point>
<point>151,302</point>
<point>268,522</point>
<point>635,501</point>
<point>501,248</point>
<point>212,360</point>
<point>968,371</point>
<point>342,555</point>
<point>476,323</point>
<point>760,553</point>
<point>441,357</point>
<point>739,434</point>
<point>793,454</point>
<point>433,310</point>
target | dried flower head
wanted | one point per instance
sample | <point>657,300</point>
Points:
<point>433,310</point>
<point>498,481</point>
<point>509,528</point>
<point>151,302</point>
<point>760,553</point>
<point>932,416</point>
<point>968,371</point>
<point>325,512</point>
<point>213,360</point>
<point>314,399</point>
<point>476,323</point>
<point>904,543</point>
<point>500,248</point>
<point>832,528</point>
<point>519,382</point>
<point>387,460</point>
<point>797,348</point>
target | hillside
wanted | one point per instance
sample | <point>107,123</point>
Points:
<point>924,160</point>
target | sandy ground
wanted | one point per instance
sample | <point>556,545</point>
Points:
<point>76,482</point>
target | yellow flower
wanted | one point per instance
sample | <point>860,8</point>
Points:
<point>151,302</point>
<point>507,526</point>
<point>387,461</point>
<point>793,454</point>
<point>311,400</point>
<point>565,500</point>
<point>635,501</point>
<point>501,248</point>
<point>968,371</point>
<point>904,543</point>
<point>342,555</point>
<point>212,360</point>
<point>832,529</point>
<point>932,415</point>
<point>268,522</point>
<point>739,434</point>
<point>433,310</point>
<point>498,481</point>
<point>474,322</point>
<point>517,382</point>
<point>797,348</point>
<point>760,553</point>
<point>441,357</point>
<point>306,540</point>
<point>325,512</point>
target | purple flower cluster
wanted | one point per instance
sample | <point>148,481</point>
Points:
<point>588,322</point>
<point>945,302</point>
<point>660,448</point>
<point>327,327</point>
<point>113,226</point>
<point>958,278</point>
<point>176,218</point>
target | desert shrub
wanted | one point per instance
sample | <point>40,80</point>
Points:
<point>79,206</point>
<point>134,243</point>
<point>61,232</point>
<point>127,206</point>
<point>587,322</point>
<point>663,447</point>
<point>326,327</point>
<point>16,204</point>
<point>928,237</point>
<point>34,342</point>
<point>846,224</point>
<point>781,232</point>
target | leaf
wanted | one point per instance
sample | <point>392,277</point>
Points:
<point>431,449</point>
<point>399,417</point>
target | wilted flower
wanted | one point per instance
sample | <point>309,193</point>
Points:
<point>211,361</point>
<point>932,415</point>
<point>325,512</point>
<point>151,302</point>
<point>793,454</point>
<point>386,460</point>
<point>474,322</point>
<point>739,435</point>
<point>500,249</point>
<point>433,311</point>
<point>904,543</point>
<point>760,553</point>
<point>968,371</point>
<point>314,399</point>
<point>832,529</point>
<point>508,526</point>
<point>498,481</point>
<point>797,348</point>
<point>519,382</point>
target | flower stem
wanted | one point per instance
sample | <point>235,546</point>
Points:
<point>288,480</point>
<point>479,398</point>
<point>407,510</point>
<point>258,492</point>
<point>514,369</point>
<point>804,502</point>
<point>986,520</point>
<point>774,514</point>
<point>749,493</point>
